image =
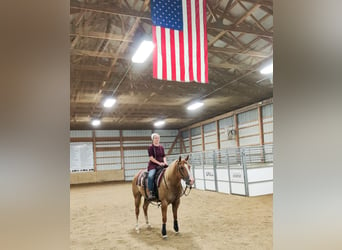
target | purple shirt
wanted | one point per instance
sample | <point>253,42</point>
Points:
<point>158,153</point>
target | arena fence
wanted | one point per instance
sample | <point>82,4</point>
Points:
<point>246,171</point>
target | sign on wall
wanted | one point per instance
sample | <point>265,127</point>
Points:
<point>81,156</point>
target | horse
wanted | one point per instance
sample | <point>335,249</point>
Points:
<point>169,192</point>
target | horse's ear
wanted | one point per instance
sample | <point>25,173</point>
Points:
<point>187,158</point>
<point>180,158</point>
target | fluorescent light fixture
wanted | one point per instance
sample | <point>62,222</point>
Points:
<point>195,105</point>
<point>267,70</point>
<point>109,102</point>
<point>144,50</point>
<point>95,122</point>
<point>159,123</point>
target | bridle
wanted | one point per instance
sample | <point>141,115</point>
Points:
<point>186,179</point>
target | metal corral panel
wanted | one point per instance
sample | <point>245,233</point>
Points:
<point>260,188</point>
<point>238,188</point>
<point>223,187</point>
<point>260,174</point>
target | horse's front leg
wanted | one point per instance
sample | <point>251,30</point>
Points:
<point>137,200</point>
<point>175,206</point>
<point>145,207</point>
<point>164,215</point>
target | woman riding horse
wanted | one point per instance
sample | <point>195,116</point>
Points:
<point>170,191</point>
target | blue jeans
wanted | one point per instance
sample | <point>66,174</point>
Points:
<point>151,174</point>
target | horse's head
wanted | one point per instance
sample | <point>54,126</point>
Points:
<point>184,169</point>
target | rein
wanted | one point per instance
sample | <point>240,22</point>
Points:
<point>183,189</point>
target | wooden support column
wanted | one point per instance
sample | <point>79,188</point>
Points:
<point>236,125</point>
<point>261,127</point>
<point>261,132</point>
<point>173,144</point>
<point>218,135</point>
<point>190,141</point>
<point>182,145</point>
<point>94,149</point>
<point>121,150</point>
<point>202,135</point>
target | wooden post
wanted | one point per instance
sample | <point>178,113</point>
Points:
<point>190,141</point>
<point>261,127</point>
<point>236,125</point>
<point>94,150</point>
<point>121,150</point>
<point>202,135</point>
<point>218,135</point>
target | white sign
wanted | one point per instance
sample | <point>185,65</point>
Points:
<point>81,156</point>
<point>236,175</point>
<point>209,174</point>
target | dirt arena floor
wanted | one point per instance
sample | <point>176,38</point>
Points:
<point>102,217</point>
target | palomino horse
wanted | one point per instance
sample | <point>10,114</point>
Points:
<point>170,191</point>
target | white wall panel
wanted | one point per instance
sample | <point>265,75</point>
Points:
<point>252,140</point>
<point>81,133</point>
<point>249,131</point>
<point>107,133</point>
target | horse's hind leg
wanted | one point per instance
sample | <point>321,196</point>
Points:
<point>145,206</point>
<point>175,206</point>
<point>137,200</point>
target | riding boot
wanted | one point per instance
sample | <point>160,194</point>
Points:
<point>150,195</point>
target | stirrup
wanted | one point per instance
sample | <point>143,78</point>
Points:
<point>151,197</point>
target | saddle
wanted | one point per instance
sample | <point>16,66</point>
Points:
<point>143,179</point>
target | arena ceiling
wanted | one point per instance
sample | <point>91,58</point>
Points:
<point>104,35</point>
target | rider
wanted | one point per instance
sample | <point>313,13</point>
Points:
<point>157,158</point>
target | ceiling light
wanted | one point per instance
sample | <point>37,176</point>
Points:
<point>95,122</point>
<point>195,105</point>
<point>159,123</point>
<point>267,70</point>
<point>144,50</point>
<point>109,102</point>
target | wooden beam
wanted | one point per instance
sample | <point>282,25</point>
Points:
<point>268,3</point>
<point>114,10</point>
<point>84,52</point>
<point>101,35</point>
<point>226,65</point>
<point>228,114</point>
<point>173,144</point>
<point>244,16</point>
<point>240,52</point>
<point>232,27</point>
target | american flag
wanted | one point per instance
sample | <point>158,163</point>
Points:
<point>179,31</point>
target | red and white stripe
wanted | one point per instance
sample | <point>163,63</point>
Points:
<point>183,55</point>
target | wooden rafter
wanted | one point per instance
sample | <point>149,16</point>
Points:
<point>147,15</point>
<point>101,35</point>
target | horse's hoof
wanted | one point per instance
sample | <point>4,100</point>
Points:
<point>176,232</point>
<point>137,230</point>
<point>149,226</point>
<point>165,236</point>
